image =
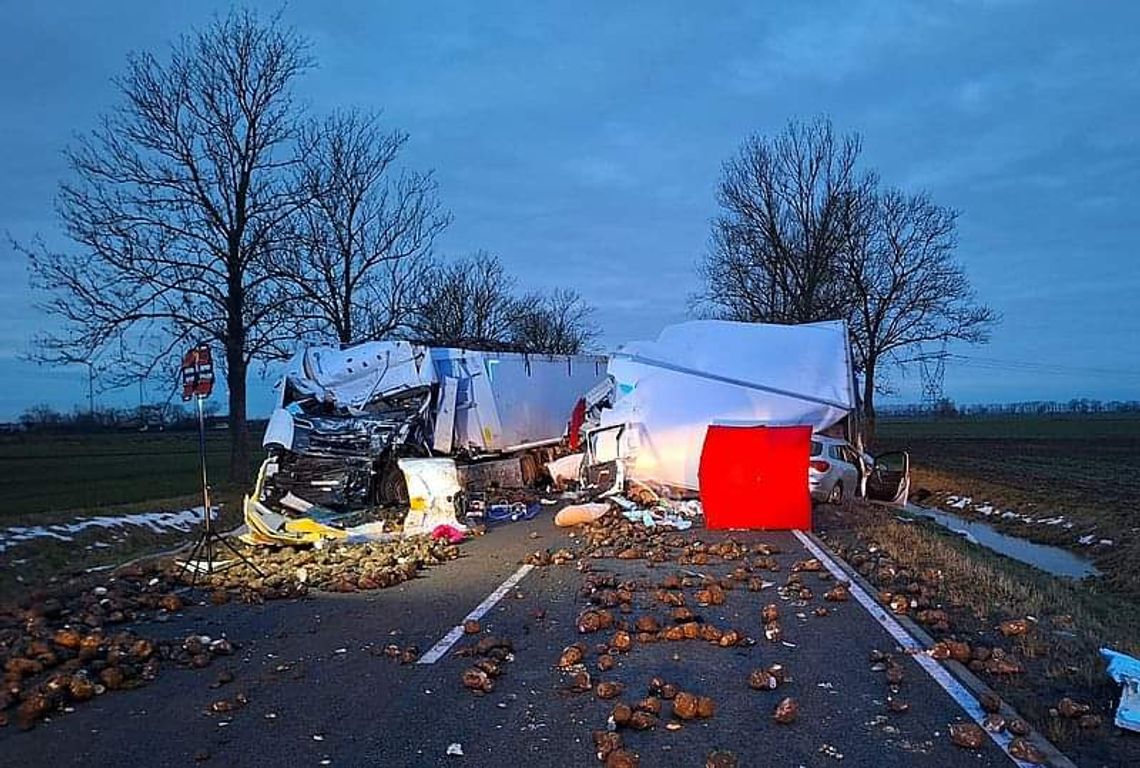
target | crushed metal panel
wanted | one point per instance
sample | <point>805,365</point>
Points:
<point>566,469</point>
<point>355,376</point>
<point>279,431</point>
<point>445,415</point>
<point>498,473</point>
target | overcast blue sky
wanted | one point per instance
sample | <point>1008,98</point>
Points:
<point>582,143</point>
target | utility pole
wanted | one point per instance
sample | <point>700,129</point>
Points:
<point>90,387</point>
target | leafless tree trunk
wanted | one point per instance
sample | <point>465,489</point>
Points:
<point>176,206</point>
<point>364,238</point>
<point>906,286</point>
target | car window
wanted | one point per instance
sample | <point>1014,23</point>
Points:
<point>836,452</point>
<point>892,462</point>
<point>816,448</point>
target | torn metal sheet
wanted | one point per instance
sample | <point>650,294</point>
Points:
<point>1125,670</point>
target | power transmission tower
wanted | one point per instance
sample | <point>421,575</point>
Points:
<point>932,373</point>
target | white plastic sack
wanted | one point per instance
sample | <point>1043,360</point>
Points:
<point>432,486</point>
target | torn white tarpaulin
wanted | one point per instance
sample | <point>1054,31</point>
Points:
<point>1125,670</point>
<point>669,391</point>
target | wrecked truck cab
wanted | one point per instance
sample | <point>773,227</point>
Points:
<point>350,422</point>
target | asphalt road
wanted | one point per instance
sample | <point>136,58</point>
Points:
<point>320,695</point>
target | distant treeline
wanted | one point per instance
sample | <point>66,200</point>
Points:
<point>157,417</point>
<point>947,408</point>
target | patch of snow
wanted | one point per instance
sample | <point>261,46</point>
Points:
<point>158,522</point>
<point>1086,540</point>
<point>985,509</point>
<point>1105,542</point>
<point>959,502</point>
<point>965,535</point>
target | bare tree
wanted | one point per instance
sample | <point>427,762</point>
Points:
<point>805,235</point>
<point>365,235</point>
<point>472,302</point>
<point>775,251</point>
<point>175,207</point>
<point>906,287</point>
<point>559,323</point>
<point>468,302</point>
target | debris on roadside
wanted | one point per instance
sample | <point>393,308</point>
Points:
<point>1023,749</point>
<point>838,594</point>
<point>967,735</point>
<point>830,751</point>
<point>993,722</point>
<point>490,654</point>
<point>721,758</point>
<point>1125,670</point>
<point>786,711</point>
<point>1013,627</point>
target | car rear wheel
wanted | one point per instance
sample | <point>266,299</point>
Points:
<point>836,495</point>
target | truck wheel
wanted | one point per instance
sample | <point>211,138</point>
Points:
<point>393,487</point>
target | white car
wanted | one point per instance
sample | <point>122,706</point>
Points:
<point>836,471</point>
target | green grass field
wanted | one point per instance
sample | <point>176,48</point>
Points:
<point>55,473</point>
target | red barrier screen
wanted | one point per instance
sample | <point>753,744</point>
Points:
<point>756,477</point>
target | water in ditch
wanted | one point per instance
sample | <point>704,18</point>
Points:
<point>1054,560</point>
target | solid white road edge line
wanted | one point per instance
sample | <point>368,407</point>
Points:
<point>444,645</point>
<point>941,675</point>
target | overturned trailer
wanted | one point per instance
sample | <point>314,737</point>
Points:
<point>664,394</point>
<point>350,424</point>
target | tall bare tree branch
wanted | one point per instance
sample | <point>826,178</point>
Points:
<point>805,235</point>
<point>365,236</point>
<point>472,302</point>
<point>175,207</point>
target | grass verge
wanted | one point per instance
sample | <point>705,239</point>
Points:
<point>46,562</point>
<point>979,589</point>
